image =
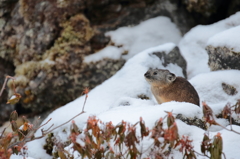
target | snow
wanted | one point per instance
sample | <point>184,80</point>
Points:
<point>20,157</point>
<point>229,38</point>
<point>108,52</point>
<point>149,111</point>
<point>194,42</point>
<point>207,84</point>
<point>117,99</point>
<point>230,142</point>
<point>147,34</point>
<point>13,97</point>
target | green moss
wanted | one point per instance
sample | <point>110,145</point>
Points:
<point>76,32</point>
<point>58,65</point>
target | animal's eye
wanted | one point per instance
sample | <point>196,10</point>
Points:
<point>154,73</point>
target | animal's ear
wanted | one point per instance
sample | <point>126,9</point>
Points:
<point>171,77</point>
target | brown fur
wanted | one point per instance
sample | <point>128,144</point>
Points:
<point>179,89</point>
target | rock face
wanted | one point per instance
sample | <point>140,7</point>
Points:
<point>223,58</point>
<point>45,42</point>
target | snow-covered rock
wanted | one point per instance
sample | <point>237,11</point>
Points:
<point>194,42</point>
<point>210,88</point>
<point>224,50</point>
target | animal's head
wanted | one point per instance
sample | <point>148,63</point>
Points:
<point>159,77</point>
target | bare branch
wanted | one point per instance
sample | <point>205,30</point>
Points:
<point>224,155</point>
<point>65,122</point>
<point>201,154</point>
<point>2,133</point>
<point>4,84</point>
<point>44,124</point>
<point>86,96</point>
<point>231,120</point>
<point>49,128</point>
<point>21,133</point>
<point>228,129</point>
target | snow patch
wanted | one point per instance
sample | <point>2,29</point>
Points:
<point>110,52</point>
<point>229,38</point>
<point>149,33</point>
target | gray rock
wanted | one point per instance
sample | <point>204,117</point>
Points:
<point>205,7</point>
<point>173,57</point>
<point>192,121</point>
<point>229,89</point>
<point>223,58</point>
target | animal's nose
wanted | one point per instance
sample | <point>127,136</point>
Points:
<point>147,74</point>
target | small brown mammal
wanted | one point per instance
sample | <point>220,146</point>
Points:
<point>167,87</point>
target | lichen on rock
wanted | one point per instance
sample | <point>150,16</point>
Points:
<point>192,121</point>
<point>222,58</point>
<point>57,67</point>
<point>229,89</point>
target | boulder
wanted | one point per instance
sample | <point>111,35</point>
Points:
<point>224,50</point>
<point>223,58</point>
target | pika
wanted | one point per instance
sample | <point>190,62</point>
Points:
<point>166,87</point>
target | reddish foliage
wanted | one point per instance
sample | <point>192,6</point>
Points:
<point>208,114</point>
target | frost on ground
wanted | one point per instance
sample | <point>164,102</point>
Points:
<point>117,98</point>
<point>193,43</point>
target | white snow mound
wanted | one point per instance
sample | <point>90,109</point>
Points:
<point>229,38</point>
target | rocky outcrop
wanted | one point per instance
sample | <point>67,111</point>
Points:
<point>223,58</point>
<point>47,41</point>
